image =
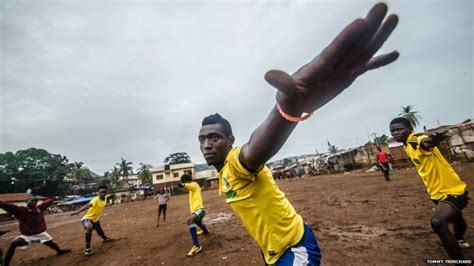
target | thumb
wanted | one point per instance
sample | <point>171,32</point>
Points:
<point>282,81</point>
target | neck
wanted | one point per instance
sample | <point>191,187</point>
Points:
<point>219,166</point>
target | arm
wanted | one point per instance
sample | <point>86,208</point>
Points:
<point>318,82</point>
<point>45,204</point>
<point>86,206</point>
<point>10,208</point>
<point>432,140</point>
<point>390,158</point>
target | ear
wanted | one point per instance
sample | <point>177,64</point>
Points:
<point>231,140</point>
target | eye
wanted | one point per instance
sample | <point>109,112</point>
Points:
<point>215,138</point>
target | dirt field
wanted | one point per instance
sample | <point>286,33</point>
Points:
<point>358,218</point>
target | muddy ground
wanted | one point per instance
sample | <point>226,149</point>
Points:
<point>358,219</point>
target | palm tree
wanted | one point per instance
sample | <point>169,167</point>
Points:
<point>125,169</point>
<point>332,148</point>
<point>105,181</point>
<point>144,173</point>
<point>114,176</point>
<point>411,115</point>
<point>79,174</point>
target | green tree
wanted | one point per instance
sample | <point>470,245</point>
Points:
<point>114,176</point>
<point>144,173</point>
<point>413,116</point>
<point>79,175</point>
<point>178,157</point>
<point>105,179</point>
<point>34,169</point>
<point>125,169</point>
<point>79,172</point>
<point>332,148</point>
<point>380,140</point>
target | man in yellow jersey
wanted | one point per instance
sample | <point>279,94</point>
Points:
<point>247,183</point>
<point>90,221</point>
<point>444,186</point>
<point>197,212</point>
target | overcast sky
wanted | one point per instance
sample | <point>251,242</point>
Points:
<point>100,80</point>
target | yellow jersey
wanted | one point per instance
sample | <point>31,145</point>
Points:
<point>94,212</point>
<point>437,174</point>
<point>264,210</point>
<point>195,198</point>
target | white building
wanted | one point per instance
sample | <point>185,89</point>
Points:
<point>170,175</point>
<point>132,180</point>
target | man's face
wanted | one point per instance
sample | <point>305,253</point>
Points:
<point>214,144</point>
<point>400,132</point>
<point>102,193</point>
<point>31,202</point>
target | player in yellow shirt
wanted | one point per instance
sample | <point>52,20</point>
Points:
<point>443,184</point>
<point>247,183</point>
<point>90,221</point>
<point>197,212</point>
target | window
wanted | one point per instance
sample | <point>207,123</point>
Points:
<point>175,174</point>
<point>188,172</point>
<point>159,177</point>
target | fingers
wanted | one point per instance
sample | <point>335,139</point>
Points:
<point>381,60</point>
<point>378,40</point>
<point>371,24</point>
<point>332,54</point>
<point>282,81</point>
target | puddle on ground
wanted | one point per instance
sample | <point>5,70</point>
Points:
<point>356,232</point>
<point>218,217</point>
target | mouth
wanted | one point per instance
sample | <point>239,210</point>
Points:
<point>398,138</point>
<point>209,155</point>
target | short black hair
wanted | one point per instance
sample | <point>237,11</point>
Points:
<point>218,119</point>
<point>186,178</point>
<point>402,120</point>
<point>103,187</point>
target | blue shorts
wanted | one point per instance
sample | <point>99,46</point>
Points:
<point>95,225</point>
<point>306,252</point>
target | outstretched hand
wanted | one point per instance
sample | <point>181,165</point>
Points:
<point>349,55</point>
<point>434,139</point>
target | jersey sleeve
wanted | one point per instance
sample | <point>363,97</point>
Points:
<point>237,168</point>
<point>189,186</point>
<point>94,202</point>
<point>45,204</point>
<point>10,208</point>
<point>423,151</point>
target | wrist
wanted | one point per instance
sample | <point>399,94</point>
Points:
<point>293,116</point>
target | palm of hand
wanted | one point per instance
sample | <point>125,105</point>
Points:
<point>338,65</point>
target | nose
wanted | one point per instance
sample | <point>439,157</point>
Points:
<point>207,144</point>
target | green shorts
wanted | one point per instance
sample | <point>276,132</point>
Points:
<point>200,213</point>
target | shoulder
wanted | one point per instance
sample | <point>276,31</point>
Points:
<point>415,140</point>
<point>95,200</point>
<point>232,159</point>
